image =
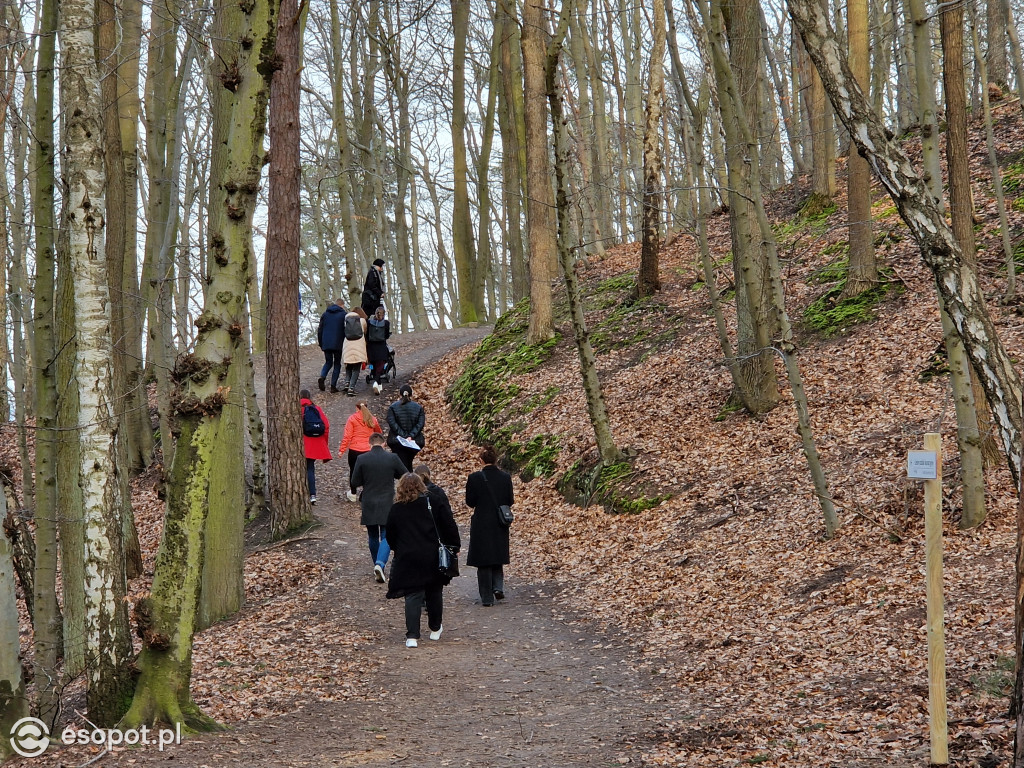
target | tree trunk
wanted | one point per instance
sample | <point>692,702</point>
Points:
<point>995,36</point>
<point>207,474</point>
<point>961,202</point>
<point>47,619</point>
<point>965,301</point>
<point>648,280</point>
<point>539,217</point>
<point>289,494</point>
<point>106,621</point>
<point>787,348</point>
<point>993,160</point>
<point>759,391</point>
<point>513,145</point>
<point>13,702</point>
<point>862,274</point>
<point>120,233</point>
<point>588,361</point>
<point>462,228</point>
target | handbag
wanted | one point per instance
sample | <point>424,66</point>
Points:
<point>447,558</point>
<point>505,515</point>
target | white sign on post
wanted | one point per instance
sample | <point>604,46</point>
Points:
<point>922,465</point>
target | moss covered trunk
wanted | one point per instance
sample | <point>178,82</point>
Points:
<point>13,703</point>
<point>206,499</point>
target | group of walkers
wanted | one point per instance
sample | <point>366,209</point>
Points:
<point>414,519</point>
<point>357,338</point>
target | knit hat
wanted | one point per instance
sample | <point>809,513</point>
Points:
<point>378,262</point>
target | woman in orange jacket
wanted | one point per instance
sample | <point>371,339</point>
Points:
<point>356,439</point>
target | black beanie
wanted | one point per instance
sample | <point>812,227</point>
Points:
<point>378,262</point>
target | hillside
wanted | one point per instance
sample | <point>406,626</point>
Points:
<point>772,645</point>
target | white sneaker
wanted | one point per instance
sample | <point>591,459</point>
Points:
<point>435,634</point>
<point>377,388</point>
<point>378,573</point>
<point>351,496</point>
<point>411,643</point>
<point>312,499</point>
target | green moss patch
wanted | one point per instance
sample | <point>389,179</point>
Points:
<point>615,487</point>
<point>830,314</point>
<point>484,393</point>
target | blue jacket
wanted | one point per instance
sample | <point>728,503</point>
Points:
<point>330,333</point>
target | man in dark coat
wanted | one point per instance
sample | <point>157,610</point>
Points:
<point>373,288</point>
<point>376,471</point>
<point>486,490</point>
<point>330,335</point>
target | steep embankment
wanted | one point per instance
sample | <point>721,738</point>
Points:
<point>773,646</point>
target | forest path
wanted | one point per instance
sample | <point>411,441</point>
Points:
<point>519,684</point>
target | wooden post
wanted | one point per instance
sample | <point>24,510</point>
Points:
<point>936,633</point>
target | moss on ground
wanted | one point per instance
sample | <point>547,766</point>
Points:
<point>830,314</point>
<point>613,486</point>
<point>484,393</point>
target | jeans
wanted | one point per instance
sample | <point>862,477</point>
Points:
<point>380,550</point>
<point>311,476</point>
<point>352,375</point>
<point>332,359</point>
<point>414,603</point>
<point>490,579</point>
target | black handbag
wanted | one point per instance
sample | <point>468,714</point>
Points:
<point>505,515</point>
<point>447,557</point>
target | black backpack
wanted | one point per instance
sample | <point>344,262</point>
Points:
<point>312,424</point>
<point>376,333</point>
<point>353,327</point>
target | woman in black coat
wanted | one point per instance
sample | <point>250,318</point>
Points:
<point>414,525</point>
<point>406,418</point>
<point>486,490</point>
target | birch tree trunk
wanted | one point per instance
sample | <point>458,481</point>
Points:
<point>965,300</point>
<point>106,621</point>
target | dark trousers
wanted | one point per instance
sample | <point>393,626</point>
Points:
<point>352,456</point>
<point>405,454</point>
<point>414,602</point>
<point>332,362</point>
<point>311,476</point>
<point>352,375</point>
<point>378,368</point>
<point>490,579</point>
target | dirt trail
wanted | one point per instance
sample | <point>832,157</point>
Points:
<point>519,684</point>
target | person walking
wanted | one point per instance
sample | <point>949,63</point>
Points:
<point>330,336</point>
<point>437,494</point>
<point>354,352</point>
<point>373,288</point>
<point>359,428</point>
<point>316,436</point>
<point>376,471</point>
<point>378,331</point>
<point>416,527</point>
<point>406,419</point>
<point>486,490</point>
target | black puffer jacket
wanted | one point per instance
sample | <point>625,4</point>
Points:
<point>406,419</point>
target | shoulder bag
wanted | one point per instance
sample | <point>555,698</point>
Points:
<point>505,516</point>
<point>447,558</point>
